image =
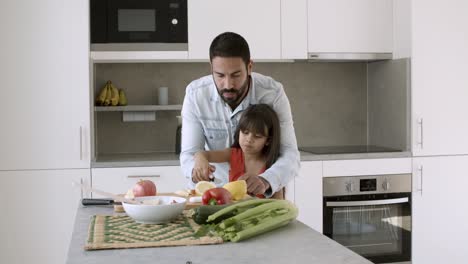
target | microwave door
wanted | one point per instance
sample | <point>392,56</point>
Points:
<point>136,21</point>
<point>147,21</point>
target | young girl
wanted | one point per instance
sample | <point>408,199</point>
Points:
<point>256,147</point>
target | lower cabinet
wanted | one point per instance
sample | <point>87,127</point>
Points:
<point>308,194</point>
<point>440,211</point>
<point>38,214</point>
<point>119,180</point>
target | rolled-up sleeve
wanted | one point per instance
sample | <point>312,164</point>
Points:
<point>288,164</point>
<point>193,138</point>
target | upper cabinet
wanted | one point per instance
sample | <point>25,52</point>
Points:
<point>293,29</point>
<point>257,21</point>
<point>287,30</point>
<point>401,29</point>
<point>439,77</point>
<point>45,85</point>
<point>343,26</point>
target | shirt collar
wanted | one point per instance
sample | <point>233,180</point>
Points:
<point>214,96</point>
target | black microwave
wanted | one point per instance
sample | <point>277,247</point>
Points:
<point>130,25</point>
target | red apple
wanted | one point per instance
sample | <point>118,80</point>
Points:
<point>144,188</point>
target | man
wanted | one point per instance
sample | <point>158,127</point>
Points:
<point>212,108</point>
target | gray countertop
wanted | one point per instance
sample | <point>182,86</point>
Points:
<point>295,243</point>
<point>305,156</point>
<point>172,159</point>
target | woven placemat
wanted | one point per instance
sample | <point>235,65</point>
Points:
<point>120,231</point>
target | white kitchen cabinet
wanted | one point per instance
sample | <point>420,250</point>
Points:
<point>258,21</point>
<point>440,229</point>
<point>38,214</point>
<point>45,85</point>
<point>343,26</point>
<point>308,194</point>
<point>439,77</point>
<point>401,29</point>
<point>293,29</point>
<point>119,180</point>
<point>358,167</point>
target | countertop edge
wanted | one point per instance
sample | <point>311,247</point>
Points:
<point>305,156</point>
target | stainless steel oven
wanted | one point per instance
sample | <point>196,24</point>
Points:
<point>371,215</point>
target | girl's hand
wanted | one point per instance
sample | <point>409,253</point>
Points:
<point>202,170</point>
<point>255,184</point>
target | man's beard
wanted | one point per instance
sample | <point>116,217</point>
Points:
<point>232,101</point>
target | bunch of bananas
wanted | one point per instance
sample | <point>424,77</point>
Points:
<point>111,96</point>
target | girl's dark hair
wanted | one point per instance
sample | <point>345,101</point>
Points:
<point>230,44</point>
<point>261,119</point>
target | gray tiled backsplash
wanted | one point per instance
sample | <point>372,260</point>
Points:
<point>328,101</point>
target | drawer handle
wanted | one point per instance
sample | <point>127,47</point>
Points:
<point>143,176</point>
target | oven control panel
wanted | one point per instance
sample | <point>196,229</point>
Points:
<point>368,185</point>
<point>333,186</point>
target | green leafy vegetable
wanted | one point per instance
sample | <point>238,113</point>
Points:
<point>261,216</point>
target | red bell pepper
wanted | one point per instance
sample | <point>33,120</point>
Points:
<point>216,196</point>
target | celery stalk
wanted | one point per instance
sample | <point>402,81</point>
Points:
<point>276,204</point>
<point>264,227</point>
<point>258,220</point>
<point>239,206</point>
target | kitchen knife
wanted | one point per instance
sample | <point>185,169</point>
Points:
<point>106,194</point>
<point>90,201</point>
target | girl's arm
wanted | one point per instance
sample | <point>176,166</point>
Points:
<point>202,168</point>
<point>215,156</point>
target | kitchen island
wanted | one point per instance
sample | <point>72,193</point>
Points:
<point>294,243</point>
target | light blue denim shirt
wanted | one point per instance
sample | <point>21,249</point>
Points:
<point>208,123</point>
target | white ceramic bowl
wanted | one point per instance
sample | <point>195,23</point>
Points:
<point>164,212</point>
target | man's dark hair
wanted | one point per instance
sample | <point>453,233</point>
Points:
<point>261,119</point>
<point>230,44</point>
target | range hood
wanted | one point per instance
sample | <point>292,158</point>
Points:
<point>324,56</point>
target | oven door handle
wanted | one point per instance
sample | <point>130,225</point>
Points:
<point>364,203</point>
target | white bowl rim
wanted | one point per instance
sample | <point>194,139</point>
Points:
<point>180,200</point>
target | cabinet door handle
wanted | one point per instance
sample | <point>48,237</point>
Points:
<point>81,143</point>
<point>81,189</point>
<point>420,187</point>
<point>143,176</point>
<point>420,142</point>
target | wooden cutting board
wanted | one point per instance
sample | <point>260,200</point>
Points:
<point>118,208</point>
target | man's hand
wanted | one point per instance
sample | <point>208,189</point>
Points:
<point>201,175</point>
<point>202,170</point>
<point>255,184</point>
